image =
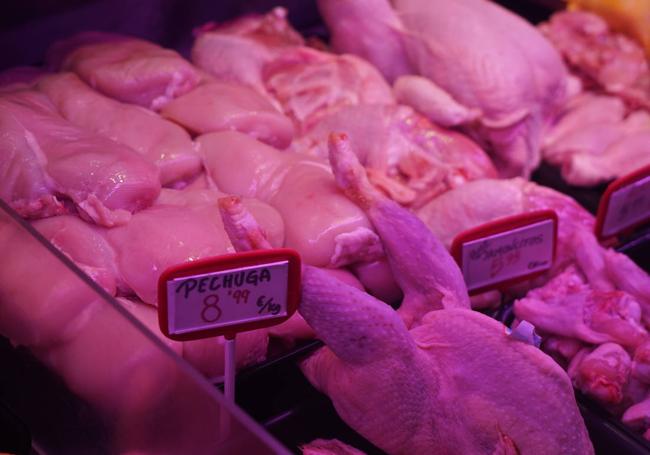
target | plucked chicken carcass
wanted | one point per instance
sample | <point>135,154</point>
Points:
<point>163,143</point>
<point>481,67</point>
<point>125,68</point>
<point>440,381</point>
<point>366,339</point>
<point>46,157</point>
<point>596,140</point>
<point>320,223</point>
<point>604,60</point>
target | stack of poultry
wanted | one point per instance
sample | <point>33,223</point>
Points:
<point>120,153</point>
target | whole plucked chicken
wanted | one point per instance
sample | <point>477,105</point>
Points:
<point>454,382</point>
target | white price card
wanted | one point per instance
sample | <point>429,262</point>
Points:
<point>503,252</point>
<point>625,204</point>
<point>229,294</point>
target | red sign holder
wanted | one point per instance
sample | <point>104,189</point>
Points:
<point>228,294</point>
<point>236,261</point>
<point>603,228</point>
<point>504,229</point>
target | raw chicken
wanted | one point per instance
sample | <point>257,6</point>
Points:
<point>310,84</point>
<point>320,223</point>
<point>482,68</point>
<point>567,306</point>
<point>561,349</point>
<point>49,308</point>
<point>443,386</point>
<point>378,280</point>
<point>439,284</point>
<point>306,83</point>
<point>641,363</point>
<point>237,51</point>
<point>481,201</point>
<point>42,313</point>
<point>410,158</point>
<point>585,109</point>
<point>602,372</point>
<point>228,106</point>
<point>159,140</point>
<point>129,363</point>
<point>603,59</point>
<point>135,387</point>
<point>125,68</point>
<point>595,142</point>
<point>638,416</point>
<point>631,17</point>
<point>208,199</point>
<point>46,157</point>
<point>246,234</point>
<point>170,234</point>
<point>406,156</point>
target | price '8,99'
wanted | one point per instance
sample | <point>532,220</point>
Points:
<point>211,311</point>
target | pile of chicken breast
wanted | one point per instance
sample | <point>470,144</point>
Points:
<point>420,121</point>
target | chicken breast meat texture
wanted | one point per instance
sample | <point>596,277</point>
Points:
<point>48,161</point>
<point>320,223</point>
<point>160,141</point>
<point>125,68</point>
<point>410,158</point>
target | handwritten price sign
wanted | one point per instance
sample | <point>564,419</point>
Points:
<point>505,251</point>
<point>229,294</point>
<point>625,204</point>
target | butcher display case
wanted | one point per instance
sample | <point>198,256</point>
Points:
<point>95,379</point>
<point>106,385</point>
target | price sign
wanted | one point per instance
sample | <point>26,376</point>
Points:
<point>229,294</point>
<point>503,252</point>
<point>625,204</point>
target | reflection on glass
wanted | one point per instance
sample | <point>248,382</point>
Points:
<point>86,377</point>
